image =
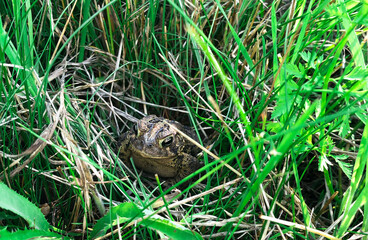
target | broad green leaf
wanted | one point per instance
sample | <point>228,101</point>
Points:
<point>347,168</point>
<point>293,70</point>
<point>29,234</point>
<point>309,58</point>
<point>129,211</point>
<point>362,116</point>
<point>274,127</point>
<point>285,99</point>
<point>12,201</point>
<point>345,126</point>
<point>358,73</point>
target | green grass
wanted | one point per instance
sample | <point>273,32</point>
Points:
<point>276,92</point>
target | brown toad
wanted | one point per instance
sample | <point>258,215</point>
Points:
<point>156,147</point>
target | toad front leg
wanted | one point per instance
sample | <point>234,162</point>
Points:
<point>187,165</point>
<point>124,149</point>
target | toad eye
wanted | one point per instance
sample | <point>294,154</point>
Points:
<point>167,141</point>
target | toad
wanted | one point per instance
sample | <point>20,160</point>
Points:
<point>156,147</point>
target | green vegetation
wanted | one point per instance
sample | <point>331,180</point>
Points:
<point>276,91</point>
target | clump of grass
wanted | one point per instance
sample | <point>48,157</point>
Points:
<point>276,91</point>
